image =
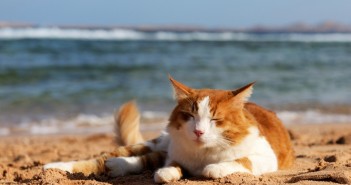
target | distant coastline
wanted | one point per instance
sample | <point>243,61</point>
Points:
<point>324,27</point>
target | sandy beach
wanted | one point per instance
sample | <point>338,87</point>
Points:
<point>323,156</point>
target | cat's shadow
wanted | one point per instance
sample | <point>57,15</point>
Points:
<point>81,176</point>
<point>146,178</point>
<point>143,178</point>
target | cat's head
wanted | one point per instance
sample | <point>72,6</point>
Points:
<point>209,117</point>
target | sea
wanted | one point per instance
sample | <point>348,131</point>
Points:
<point>59,80</point>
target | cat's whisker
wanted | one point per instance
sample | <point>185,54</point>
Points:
<point>224,143</point>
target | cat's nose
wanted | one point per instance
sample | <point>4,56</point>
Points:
<point>198,133</point>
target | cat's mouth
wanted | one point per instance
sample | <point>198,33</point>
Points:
<point>199,141</point>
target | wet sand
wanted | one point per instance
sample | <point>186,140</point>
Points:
<point>323,156</point>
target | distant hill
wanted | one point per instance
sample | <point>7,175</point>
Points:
<point>15,25</point>
<point>324,27</point>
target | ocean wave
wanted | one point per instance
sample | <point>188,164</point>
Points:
<point>128,34</point>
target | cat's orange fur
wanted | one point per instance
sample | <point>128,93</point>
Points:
<point>201,114</point>
<point>271,127</point>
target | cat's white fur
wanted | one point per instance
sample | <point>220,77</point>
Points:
<point>167,174</point>
<point>161,144</point>
<point>120,166</point>
<point>203,119</point>
<point>65,166</point>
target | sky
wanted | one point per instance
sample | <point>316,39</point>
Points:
<point>208,13</point>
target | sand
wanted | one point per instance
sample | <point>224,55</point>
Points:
<point>323,156</point>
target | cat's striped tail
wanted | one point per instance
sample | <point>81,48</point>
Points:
<point>127,120</point>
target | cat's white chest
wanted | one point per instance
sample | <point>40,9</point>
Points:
<point>194,160</point>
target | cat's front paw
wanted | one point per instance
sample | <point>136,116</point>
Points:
<point>216,171</point>
<point>167,174</point>
<point>120,166</point>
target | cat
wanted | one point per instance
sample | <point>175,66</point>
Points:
<point>211,133</point>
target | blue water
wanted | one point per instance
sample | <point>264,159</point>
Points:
<point>46,77</point>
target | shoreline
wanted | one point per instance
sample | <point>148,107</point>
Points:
<point>150,121</point>
<point>323,156</point>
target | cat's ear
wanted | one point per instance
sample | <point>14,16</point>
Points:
<point>181,91</point>
<point>242,94</point>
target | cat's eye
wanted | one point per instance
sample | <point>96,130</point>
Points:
<point>187,115</point>
<point>217,121</point>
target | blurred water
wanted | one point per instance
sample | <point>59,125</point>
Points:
<point>41,78</point>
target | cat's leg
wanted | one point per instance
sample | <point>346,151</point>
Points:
<point>222,169</point>
<point>87,167</point>
<point>97,165</point>
<point>254,164</point>
<point>169,173</point>
<point>263,163</point>
<point>120,166</point>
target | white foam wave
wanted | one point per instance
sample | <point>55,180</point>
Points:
<point>82,123</point>
<point>154,114</point>
<point>4,131</point>
<point>312,116</point>
<point>58,33</point>
<point>128,34</point>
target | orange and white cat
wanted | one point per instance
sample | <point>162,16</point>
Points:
<point>211,133</point>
